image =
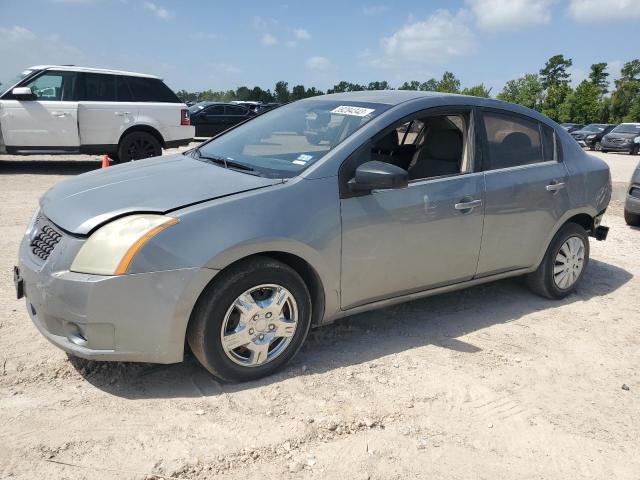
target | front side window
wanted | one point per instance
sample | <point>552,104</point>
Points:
<point>511,141</point>
<point>48,86</point>
<point>215,110</point>
<point>284,141</point>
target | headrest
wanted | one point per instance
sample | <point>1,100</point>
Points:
<point>516,141</point>
<point>443,144</point>
<point>388,143</point>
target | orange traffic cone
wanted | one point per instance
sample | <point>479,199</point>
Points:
<point>105,161</point>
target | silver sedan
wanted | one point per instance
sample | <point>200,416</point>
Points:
<point>316,210</point>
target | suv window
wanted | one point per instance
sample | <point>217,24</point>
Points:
<point>215,110</point>
<point>548,143</point>
<point>511,140</point>
<point>97,87</point>
<point>123,93</point>
<point>151,90</point>
<point>51,86</point>
<point>233,110</point>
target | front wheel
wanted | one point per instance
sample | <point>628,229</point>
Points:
<point>597,147</point>
<point>251,320</point>
<point>564,263</point>
<point>138,145</point>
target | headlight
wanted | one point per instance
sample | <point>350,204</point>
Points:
<point>111,248</point>
<point>32,222</point>
<point>590,137</point>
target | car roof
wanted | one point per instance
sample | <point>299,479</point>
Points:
<point>388,97</point>
<point>74,68</point>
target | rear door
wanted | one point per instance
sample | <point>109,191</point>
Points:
<point>235,114</point>
<point>106,108</point>
<point>211,121</point>
<point>525,191</point>
<point>48,123</point>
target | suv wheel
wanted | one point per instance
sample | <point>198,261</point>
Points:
<point>251,320</point>
<point>597,147</point>
<point>564,263</point>
<point>632,219</point>
<point>138,145</point>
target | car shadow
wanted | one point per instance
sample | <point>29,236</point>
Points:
<point>438,320</point>
<point>47,167</point>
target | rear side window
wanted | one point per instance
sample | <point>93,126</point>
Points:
<point>151,90</point>
<point>97,87</point>
<point>548,143</point>
<point>233,110</point>
<point>511,140</point>
<point>215,110</point>
<point>122,90</point>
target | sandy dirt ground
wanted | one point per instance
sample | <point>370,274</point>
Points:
<point>489,383</point>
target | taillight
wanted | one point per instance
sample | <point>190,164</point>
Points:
<point>184,117</point>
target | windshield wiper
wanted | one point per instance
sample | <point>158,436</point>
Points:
<point>227,163</point>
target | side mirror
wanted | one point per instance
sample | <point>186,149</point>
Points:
<point>375,175</point>
<point>23,93</point>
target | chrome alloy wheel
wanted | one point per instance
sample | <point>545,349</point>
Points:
<point>259,325</point>
<point>569,263</point>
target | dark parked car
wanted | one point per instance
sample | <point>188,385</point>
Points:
<point>591,135</point>
<point>211,118</point>
<point>632,205</point>
<point>572,127</point>
<point>622,139</point>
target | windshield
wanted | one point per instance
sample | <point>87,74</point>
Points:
<point>627,128</point>
<point>284,141</point>
<point>594,127</point>
<point>16,79</point>
<point>197,107</point>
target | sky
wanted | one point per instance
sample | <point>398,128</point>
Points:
<point>219,44</point>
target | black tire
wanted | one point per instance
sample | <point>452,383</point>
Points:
<point>632,219</point>
<point>604,151</point>
<point>596,146</point>
<point>541,281</point>
<point>138,145</point>
<point>634,150</point>
<point>205,326</point>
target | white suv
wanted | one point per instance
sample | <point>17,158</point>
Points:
<point>68,109</point>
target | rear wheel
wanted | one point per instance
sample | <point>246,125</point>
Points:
<point>632,219</point>
<point>251,320</point>
<point>138,145</point>
<point>564,263</point>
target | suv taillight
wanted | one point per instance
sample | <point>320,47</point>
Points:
<point>184,117</point>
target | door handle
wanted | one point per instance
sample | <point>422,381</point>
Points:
<point>121,114</point>
<point>554,187</point>
<point>468,205</point>
<point>59,114</point>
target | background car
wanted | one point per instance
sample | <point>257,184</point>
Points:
<point>211,118</point>
<point>572,127</point>
<point>591,135</point>
<point>68,109</point>
<point>622,139</point>
<point>632,203</point>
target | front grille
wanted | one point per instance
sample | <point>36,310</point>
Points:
<point>45,241</point>
<point>616,141</point>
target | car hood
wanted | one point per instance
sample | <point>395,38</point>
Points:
<point>80,204</point>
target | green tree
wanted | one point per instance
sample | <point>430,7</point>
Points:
<point>555,72</point>
<point>581,105</point>
<point>383,85</point>
<point>344,86</point>
<point>598,77</point>
<point>430,85</point>
<point>282,92</point>
<point>626,93</point>
<point>412,85</point>
<point>555,97</point>
<point>449,83</point>
<point>477,91</point>
<point>243,93</point>
<point>313,92</point>
<point>526,91</point>
<point>297,93</point>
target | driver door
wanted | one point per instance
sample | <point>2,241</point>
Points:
<point>47,123</point>
<point>401,241</point>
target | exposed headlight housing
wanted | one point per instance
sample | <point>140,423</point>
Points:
<point>111,249</point>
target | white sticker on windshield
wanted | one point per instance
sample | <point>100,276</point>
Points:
<point>355,111</point>
<point>299,162</point>
<point>304,157</point>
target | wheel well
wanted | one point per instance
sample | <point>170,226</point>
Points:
<point>143,128</point>
<point>584,220</point>
<point>302,268</point>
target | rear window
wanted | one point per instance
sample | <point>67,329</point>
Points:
<point>512,140</point>
<point>151,90</point>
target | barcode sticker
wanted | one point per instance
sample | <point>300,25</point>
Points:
<point>355,111</point>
